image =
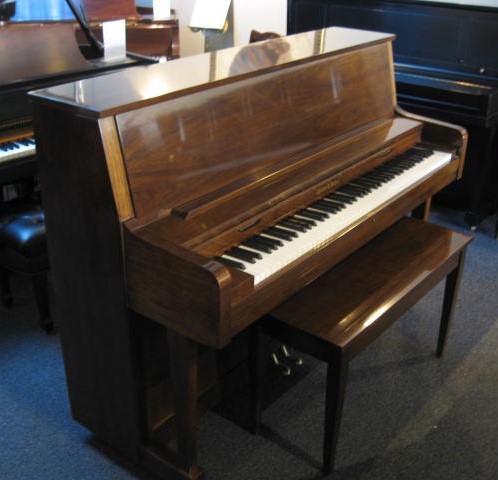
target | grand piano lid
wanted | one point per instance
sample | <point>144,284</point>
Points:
<point>105,95</point>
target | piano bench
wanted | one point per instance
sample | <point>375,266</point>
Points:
<point>23,249</point>
<point>338,315</point>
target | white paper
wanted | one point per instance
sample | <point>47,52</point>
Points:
<point>210,14</point>
<point>161,8</point>
<point>114,33</point>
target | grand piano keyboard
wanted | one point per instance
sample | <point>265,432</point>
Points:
<point>276,247</point>
<point>20,148</point>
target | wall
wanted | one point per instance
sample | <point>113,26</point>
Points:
<point>262,15</point>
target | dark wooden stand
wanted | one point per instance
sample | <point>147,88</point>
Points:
<point>338,315</point>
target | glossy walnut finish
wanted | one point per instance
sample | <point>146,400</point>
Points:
<point>343,311</point>
<point>150,173</point>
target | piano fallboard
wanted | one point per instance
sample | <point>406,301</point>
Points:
<point>456,97</point>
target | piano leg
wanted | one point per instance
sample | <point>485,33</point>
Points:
<point>183,360</point>
<point>256,374</point>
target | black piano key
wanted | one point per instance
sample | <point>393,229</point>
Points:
<point>357,184</point>
<point>340,201</point>
<point>280,233</point>
<point>261,247</point>
<point>382,176</point>
<point>304,221</point>
<point>395,170</point>
<point>338,204</point>
<point>313,214</point>
<point>243,254</point>
<point>288,223</point>
<point>231,263</point>
<point>329,207</point>
<point>352,190</point>
<point>268,241</point>
<point>406,164</point>
<point>367,182</point>
<point>257,246</point>
<point>341,198</point>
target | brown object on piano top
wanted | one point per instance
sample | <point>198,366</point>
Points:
<point>152,173</point>
<point>145,35</point>
<point>100,10</point>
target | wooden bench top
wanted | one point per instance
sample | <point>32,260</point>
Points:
<point>359,298</point>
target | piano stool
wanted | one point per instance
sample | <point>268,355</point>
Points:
<point>23,249</point>
<point>342,312</point>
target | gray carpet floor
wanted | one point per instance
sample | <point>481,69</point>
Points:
<point>407,415</point>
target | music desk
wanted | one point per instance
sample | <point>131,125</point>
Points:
<point>341,313</point>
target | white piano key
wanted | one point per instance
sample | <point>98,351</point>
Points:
<point>313,239</point>
<point>23,148</point>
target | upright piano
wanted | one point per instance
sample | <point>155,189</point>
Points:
<point>445,67</point>
<point>185,200</point>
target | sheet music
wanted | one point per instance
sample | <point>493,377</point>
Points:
<point>210,14</point>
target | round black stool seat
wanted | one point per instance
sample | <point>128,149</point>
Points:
<point>23,249</point>
<point>24,242</point>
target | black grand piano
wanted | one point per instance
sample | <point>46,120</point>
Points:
<point>446,67</point>
<point>37,54</point>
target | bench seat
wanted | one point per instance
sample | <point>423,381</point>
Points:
<point>342,312</point>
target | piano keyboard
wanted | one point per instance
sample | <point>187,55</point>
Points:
<point>19,148</point>
<point>265,254</point>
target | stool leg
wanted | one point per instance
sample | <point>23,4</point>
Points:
<point>40,289</point>
<point>5,287</point>
<point>449,301</point>
<point>256,374</point>
<point>337,374</point>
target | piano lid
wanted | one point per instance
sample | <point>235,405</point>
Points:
<point>56,10</point>
<point>104,95</point>
<point>54,52</point>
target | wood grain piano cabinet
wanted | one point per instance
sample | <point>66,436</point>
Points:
<point>155,181</point>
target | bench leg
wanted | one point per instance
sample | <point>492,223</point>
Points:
<point>337,374</point>
<point>449,301</point>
